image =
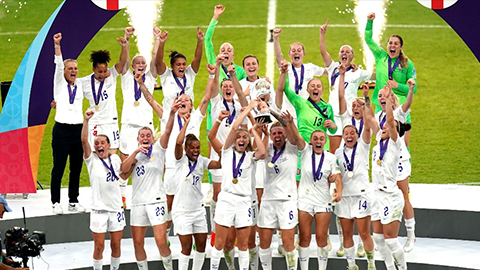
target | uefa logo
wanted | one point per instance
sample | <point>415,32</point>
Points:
<point>437,4</point>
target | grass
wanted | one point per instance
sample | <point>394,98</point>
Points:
<point>445,108</point>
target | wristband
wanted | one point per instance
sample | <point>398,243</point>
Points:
<point>211,76</point>
<point>219,121</point>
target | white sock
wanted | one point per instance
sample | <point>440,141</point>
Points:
<point>266,258</point>
<point>384,250</point>
<point>142,265</point>
<point>198,259</point>
<point>410,226</point>
<point>304,256</point>
<point>397,251</point>
<point>322,253</point>
<point>350,254</point>
<point>339,230</point>
<point>291,258</point>
<point>97,264</point>
<point>243,260</point>
<point>114,263</point>
<point>229,258</point>
<point>215,257</point>
<point>167,262</point>
<point>213,206</point>
<point>183,261</point>
<point>253,258</point>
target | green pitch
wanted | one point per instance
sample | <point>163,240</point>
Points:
<point>445,108</point>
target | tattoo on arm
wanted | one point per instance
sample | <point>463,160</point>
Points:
<point>367,101</point>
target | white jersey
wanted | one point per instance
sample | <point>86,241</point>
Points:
<point>280,182</point>
<point>384,176</point>
<point>352,81</point>
<point>196,119</point>
<point>244,179</point>
<point>107,104</point>
<point>171,89</point>
<point>310,70</point>
<point>66,112</point>
<point>316,192</point>
<point>106,194</point>
<point>401,116</point>
<point>141,115</point>
<point>359,183</point>
<point>348,119</point>
<point>189,196</point>
<point>147,184</point>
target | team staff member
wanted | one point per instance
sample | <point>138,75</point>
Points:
<point>107,208</point>
<point>66,141</point>
<point>100,90</point>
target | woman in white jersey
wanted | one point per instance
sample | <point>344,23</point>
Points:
<point>107,213</point>
<point>188,210</point>
<point>149,207</point>
<point>234,201</point>
<point>279,200</point>
<point>357,203</point>
<point>100,90</point>
<point>179,79</point>
<point>389,199</point>
<point>353,78</point>
<point>319,169</point>
<point>136,113</point>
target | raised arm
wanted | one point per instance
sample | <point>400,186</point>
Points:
<point>374,47</point>
<point>161,67</point>
<point>212,134</point>
<point>368,115</point>
<point>87,150</point>
<point>281,84</point>
<point>366,134</point>
<point>260,149</point>
<point>153,63</point>
<point>148,96</point>
<point>56,41</point>
<point>59,76</point>
<point>236,85</point>
<point>209,89</point>
<point>236,124</point>
<point>198,50</point>
<point>276,46</point>
<point>390,120</point>
<point>291,128</point>
<point>120,65</point>
<point>168,128</point>
<point>128,32</point>
<point>408,102</point>
<point>341,90</point>
<point>209,50</point>
<point>327,59</point>
<point>181,138</point>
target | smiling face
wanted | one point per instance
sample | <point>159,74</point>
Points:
<point>315,89</point>
<point>179,66</point>
<point>100,72</point>
<point>139,65</point>
<point>350,135</point>
<point>278,136</point>
<point>382,98</point>
<point>357,110</point>
<point>101,145</point>
<point>145,136</point>
<point>242,140</point>
<point>394,46</point>
<point>227,90</point>
<point>296,54</point>
<point>345,55</point>
<point>192,150</point>
<point>250,65</point>
<point>227,50</point>
<point>70,71</point>
<point>318,140</point>
<point>186,104</point>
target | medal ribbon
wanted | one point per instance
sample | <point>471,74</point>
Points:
<point>335,75</point>
<point>182,87</point>
<point>390,68</point>
<point>236,168</point>
<point>109,168</point>
<point>382,120</point>
<point>361,125</point>
<point>149,153</point>
<point>383,148</point>
<point>298,84</point>
<point>191,167</point>
<point>276,154</point>
<point>137,90</point>
<point>70,94</point>
<point>352,158</point>
<point>316,173</point>
<point>230,117</point>
<point>96,97</point>
<point>323,112</point>
<point>179,122</point>
<point>226,71</point>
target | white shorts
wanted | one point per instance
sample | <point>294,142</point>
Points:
<point>260,173</point>
<point>190,222</point>
<point>313,209</point>
<point>169,181</point>
<point>351,207</point>
<point>128,138</point>
<point>404,170</point>
<point>148,214</point>
<point>217,175</point>
<point>338,122</point>
<point>102,221</point>
<point>233,210</point>
<point>389,206</point>
<point>110,130</point>
<point>255,213</point>
<point>278,214</point>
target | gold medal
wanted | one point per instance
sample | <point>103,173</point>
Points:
<point>350,174</point>
<point>136,103</point>
<point>235,181</point>
<point>152,158</point>
<point>379,162</point>
<point>186,178</point>
<point>96,107</point>
<point>271,165</point>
